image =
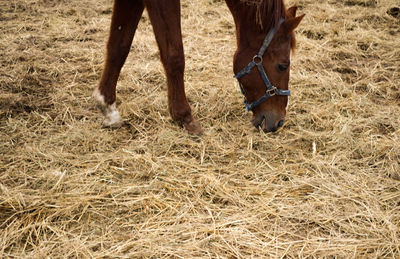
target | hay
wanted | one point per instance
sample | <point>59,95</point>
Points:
<point>325,185</point>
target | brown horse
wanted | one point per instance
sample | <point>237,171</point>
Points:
<point>264,23</point>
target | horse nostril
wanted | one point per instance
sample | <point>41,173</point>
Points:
<point>280,123</point>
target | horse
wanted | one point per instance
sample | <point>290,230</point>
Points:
<point>265,23</point>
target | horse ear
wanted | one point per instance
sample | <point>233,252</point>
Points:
<point>291,12</point>
<point>290,24</point>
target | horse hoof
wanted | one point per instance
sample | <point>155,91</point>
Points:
<point>193,128</point>
<point>114,122</point>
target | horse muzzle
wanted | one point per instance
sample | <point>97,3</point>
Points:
<point>268,122</point>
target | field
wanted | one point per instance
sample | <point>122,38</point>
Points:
<point>325,185</point>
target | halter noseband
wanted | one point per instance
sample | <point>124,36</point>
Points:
<point>257,61</point>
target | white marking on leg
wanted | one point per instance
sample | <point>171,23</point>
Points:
<point>98,97</point>
<point>111,116</point>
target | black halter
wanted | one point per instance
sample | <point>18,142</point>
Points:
<point>257,61</point>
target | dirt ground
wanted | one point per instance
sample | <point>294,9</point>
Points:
<point>325,185</point>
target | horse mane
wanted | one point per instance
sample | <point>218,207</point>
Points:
<point>266,12</point>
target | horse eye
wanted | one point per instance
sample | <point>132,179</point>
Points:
<point>282,67</point>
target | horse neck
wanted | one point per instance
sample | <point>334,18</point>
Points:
<point>250,31</point>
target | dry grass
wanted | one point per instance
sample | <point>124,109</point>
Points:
<point>326,185</point>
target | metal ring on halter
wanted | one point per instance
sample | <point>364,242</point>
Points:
<point>257,57</point>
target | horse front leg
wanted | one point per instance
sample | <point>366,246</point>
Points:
<point>124,21</point>
<point>165,16</point>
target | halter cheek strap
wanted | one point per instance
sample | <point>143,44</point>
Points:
<point>257,61</point>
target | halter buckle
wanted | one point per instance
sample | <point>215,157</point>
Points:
<point>272,91</point>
